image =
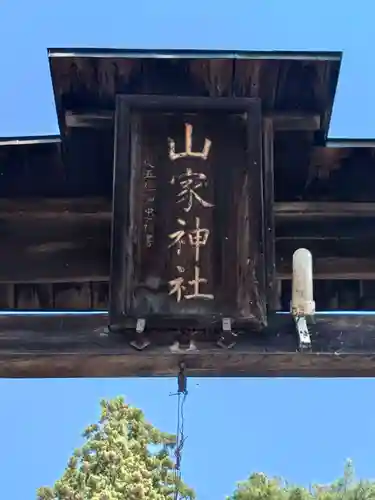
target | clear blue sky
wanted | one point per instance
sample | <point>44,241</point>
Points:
<point>303,429</point>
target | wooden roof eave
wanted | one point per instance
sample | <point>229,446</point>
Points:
<point>29,140</point>
<point>59,58</point>
<point>195,53</point>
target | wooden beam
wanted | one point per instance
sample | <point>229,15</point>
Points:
<point>327,247</point>
<point>59,264</point>
<point>281,121</point>
<point>340,236</point>
<point>318,210</point>
<point>360,229</point>
<point>53,263</point>
<point>333,268</point>
<point>89,120</point>
<point>78,346</point>
<point>294,121</point>
<point>68,240</point>
<point>54,240</point>
<point>51,208</point>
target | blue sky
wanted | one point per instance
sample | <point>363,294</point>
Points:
<point>302,429</point>
<point>28,28</point>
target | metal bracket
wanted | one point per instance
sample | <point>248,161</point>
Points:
<point>304,339</point>
<point>141,342</point>
<point>226,340</point>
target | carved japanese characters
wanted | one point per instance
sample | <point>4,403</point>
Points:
<point>190,199</point>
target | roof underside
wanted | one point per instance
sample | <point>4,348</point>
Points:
<point>88,80</point>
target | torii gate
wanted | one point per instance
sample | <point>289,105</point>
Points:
<point>159,229</point>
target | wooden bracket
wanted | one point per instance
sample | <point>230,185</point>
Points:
<point>140,342</point>
<point>226,340</point>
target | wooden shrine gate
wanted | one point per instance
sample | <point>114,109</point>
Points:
<point>160,227</point>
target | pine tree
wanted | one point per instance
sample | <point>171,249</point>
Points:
<point>260,487</point>
<point>123,457</point>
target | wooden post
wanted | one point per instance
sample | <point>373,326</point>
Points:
<point>120,209</point>
<point>269,219</point>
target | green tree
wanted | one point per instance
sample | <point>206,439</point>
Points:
<point>260,487</point>
<point>123,457</point>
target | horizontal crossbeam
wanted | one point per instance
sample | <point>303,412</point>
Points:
<point>79,346</point>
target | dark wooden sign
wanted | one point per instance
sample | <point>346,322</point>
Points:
<point>188,234</point>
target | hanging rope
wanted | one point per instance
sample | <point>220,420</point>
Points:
<point>180,433</point>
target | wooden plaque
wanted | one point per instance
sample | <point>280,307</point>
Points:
<point>188,234</point>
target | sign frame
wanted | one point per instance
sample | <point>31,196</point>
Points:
<point>120,314</point>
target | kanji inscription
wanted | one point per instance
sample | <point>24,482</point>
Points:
<point>190,199</point>
<point>149,179</point>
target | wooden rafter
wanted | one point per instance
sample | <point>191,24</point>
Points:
<point>281,121</point>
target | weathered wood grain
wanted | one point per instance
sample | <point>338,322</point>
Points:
<point>68,241</point>
<point>269,214</point>
<point>288,121</point>
<point>333,268</point>
<point>310,210</point>
<point>46,250</point>
<point>284,82</point>
<point>66,346</point>
<point>31,209</point>
<point>231,263</point>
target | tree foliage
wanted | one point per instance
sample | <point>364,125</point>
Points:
<point>260,487</point>
<point>123,457</point>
